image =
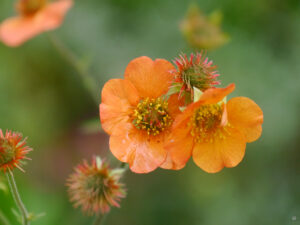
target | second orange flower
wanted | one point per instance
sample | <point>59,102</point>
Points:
<point>215,132</point>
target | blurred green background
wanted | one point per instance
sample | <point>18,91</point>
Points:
<point>42,96</point>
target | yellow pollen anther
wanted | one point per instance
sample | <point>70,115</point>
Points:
<point>205,123</point>
<point>151,115</point>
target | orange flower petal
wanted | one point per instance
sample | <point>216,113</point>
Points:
<point>170,165</point>
<point>173,105</point>
<point>15,31</point>
<point>185,115</point>
<point>210,96</point>
<point>224,120</point>
<point>143,154</point>
<point>179,147</point>
<point>215,95</point>
<point>118,97</point>
<point>246,115</point>
<point>151,78</point>
<point>53,14</point>
<point>214,156</point>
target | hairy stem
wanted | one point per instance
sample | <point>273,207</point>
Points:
<point>3,219</point>
<point>15,193</point>
<point>73,60</point>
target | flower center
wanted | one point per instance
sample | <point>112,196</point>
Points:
<point>196,77</point>
<point>7,152</point>
<point>152,115</point>
<point>196,71</point>
<point>29,7</point>
<point>94,184</point>
<point>205,122</point>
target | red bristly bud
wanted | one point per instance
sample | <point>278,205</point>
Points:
<point>12,150</point>
<point>196,71</point>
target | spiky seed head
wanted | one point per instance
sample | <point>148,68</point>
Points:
<point>95,187</point>
<point>13,150</point>
<point>196,71</point>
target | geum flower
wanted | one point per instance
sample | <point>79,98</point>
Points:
<point>95,187</point>
<point>215,133</point>
<point>201,31</point>
<point>136,115</point>
<point>34,17</point>
<point>13,150</point>
<point>196,71</point>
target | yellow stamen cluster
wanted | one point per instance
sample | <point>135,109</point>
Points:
<point>206,123</point>
<point>151,115</point>
<point>29,7</point>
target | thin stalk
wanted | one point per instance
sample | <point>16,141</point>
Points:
<point>3,219</point>
<point>15,193</point>
<point>73,60</point>
<point>100,219</point>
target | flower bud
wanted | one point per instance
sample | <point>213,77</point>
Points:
<point>203,32</point>
<point>12,150</point>
<point>195,72</point>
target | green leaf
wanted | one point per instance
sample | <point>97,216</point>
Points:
<point>174,89</point>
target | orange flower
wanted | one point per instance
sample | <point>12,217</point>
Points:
<point>137,116</point>
<point>12,150</point>
<point>215,133</point>
<point>35,17</point>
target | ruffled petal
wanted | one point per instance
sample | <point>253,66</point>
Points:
<point>151,78</point>
<point>210,96</point>
<point>118,98</point>
<point>179,147</point>
<point>53,14</point>
<point>174,104</point>
<point>143,153</point>
<point>170,165</point>
<point>15,31</point>
<point>246,115</point>
<point>213,156</point>
<point>215,95</point>
<point>183,117</point>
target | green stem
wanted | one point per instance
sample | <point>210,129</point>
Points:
<point>15,193</point>
<point>100,219</point>
<point>3,219</point>
<point>73,60</point>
